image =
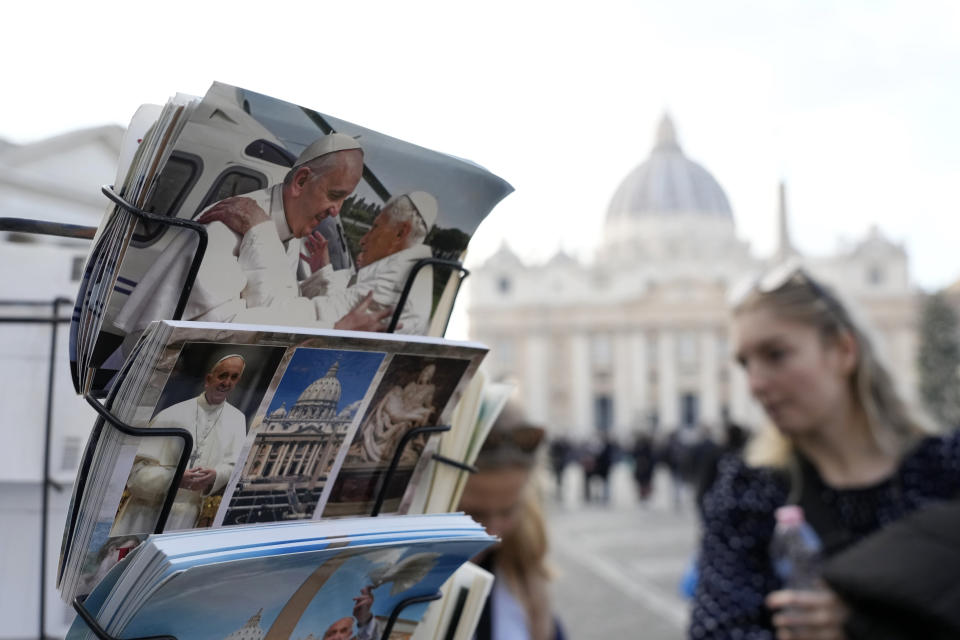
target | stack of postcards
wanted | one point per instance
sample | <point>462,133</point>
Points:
<point>306,216</point>
<point>293,581</point>
<point>286,425</point>
<point>263,310</point>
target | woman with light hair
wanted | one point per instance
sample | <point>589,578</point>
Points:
<point>842,445</point>
<point>502,497</point>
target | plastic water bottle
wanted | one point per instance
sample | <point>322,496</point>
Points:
<point>796,550</point>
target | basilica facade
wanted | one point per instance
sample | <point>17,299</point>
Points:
<point>292,455</point>
<point>638,339</point>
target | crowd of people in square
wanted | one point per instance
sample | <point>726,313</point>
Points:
<point>688,454</point>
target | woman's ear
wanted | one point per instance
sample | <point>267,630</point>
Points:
<point>848,351</point>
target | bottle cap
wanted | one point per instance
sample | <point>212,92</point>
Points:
<point>789,514</point>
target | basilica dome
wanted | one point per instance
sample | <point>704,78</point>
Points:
<point>319,400</point>
<point>668,183</point>
<point>325,389</point>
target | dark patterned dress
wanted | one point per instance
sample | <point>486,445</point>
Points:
<point>735,569</point>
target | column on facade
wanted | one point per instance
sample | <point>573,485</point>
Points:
<point>536,384</point>
<point>668,402</point>
<point>305,454</point>
<point>302,458</point>
<point>263,456</point>
<point>309,466</point>
<point>311,463</point>
<point>318,461</point>
<point>279,469</point>
<point>290,458</point>
<point>283,460</point>
<point>581,386</point>
<point>276,451</point>
<point>294,459</point>
<point>640,379</point>
<point>624,385</point>
<point>329,450</point>
<point>709,379</point>
<point>251,460</point>
<point>297,468</point>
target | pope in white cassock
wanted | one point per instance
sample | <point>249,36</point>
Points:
<point>368,627</point>
<point>219,430</point>
<point>388,251</point>
<point>254,258</point>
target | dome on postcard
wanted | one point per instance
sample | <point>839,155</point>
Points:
<point>668,183</point>
<point>326,389</point>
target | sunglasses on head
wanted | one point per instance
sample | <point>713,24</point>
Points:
<point>525,438</point>
<point>783,274</point>
<point>792,273</point>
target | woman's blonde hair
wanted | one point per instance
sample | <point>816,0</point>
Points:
<point>521,556</point>
<point>800,298</point>
<point>521,560</point>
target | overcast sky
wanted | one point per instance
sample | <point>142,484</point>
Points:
<point>853,103</point>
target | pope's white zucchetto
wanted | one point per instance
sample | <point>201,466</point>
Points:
<point>327,144</point>
<point>426,206</point>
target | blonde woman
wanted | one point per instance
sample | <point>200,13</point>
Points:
<point>844,447</point>
<point>502,498</point>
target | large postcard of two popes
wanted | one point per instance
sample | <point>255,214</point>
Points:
<point>311,221</point>
<point>287,425</point>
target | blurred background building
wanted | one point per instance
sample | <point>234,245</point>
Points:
<point>637,340</point>
<point>56,179</point>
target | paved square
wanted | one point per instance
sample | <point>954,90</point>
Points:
<point>619,569</point>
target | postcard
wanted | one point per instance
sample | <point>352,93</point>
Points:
<point>289,461</point>
<point>312,221</point>
<point>273,415</point>
<point>294,597</point>
<point>322,586</point>
<point>415,391</point>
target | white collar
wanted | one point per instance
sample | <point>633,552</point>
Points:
<point>278,214</point>
<point>206,406</point>
<point>399,258</point>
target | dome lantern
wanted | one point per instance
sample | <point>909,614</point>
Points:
<point>667,134</point>
<point>320,398</point>
<point>668,183</point>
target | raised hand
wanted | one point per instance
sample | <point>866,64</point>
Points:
<point>239,213</point>
<point>362,605</point>
<point>318,251</point>
<point>362,318</point>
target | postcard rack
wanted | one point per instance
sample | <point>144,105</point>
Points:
<point>109,419</point>
<point>462,274</point>
<point>196,227</point>
<point>98,631</point>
